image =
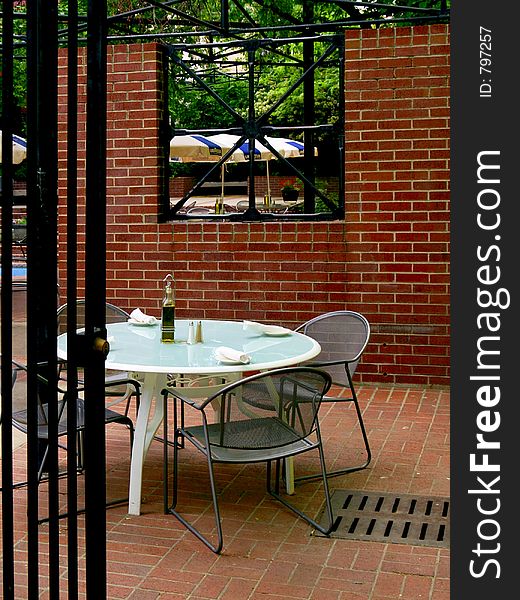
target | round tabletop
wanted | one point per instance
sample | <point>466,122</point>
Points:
<point>139,348</point>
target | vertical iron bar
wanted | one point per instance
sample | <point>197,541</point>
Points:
<point>308,111</point>
<point>6,299</point>
<point>33,567</point>
<point>95,283</point>
<point>251,120</point>
<point>42,273</point>
<point>72,242</point>
<point>342,78</point>
<point>224,14</point>
<point>164,141</point>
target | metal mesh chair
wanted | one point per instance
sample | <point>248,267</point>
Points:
<point>119,385</point>
<point>20,415</point>
<point>343,336</point>
<point>263,418</point>
<point>61,402</point>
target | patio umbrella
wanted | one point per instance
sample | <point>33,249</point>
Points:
<point>241,154</point>
<point>19,149</point>
<point>288,149</point>
<point>195,148</point>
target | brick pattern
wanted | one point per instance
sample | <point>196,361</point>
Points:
<point>389,259</point>
<point>269,553</point>
<point>397,197</point>
<point>135,109</point>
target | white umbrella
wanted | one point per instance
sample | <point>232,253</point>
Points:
<point>288,148</point>
<point>241,154</point>
<point>195,148</point>
<point>199,148</point>
<point>19,149</point>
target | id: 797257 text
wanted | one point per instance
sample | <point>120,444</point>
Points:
<point>485,89</point>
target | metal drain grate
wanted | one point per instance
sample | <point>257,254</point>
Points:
<point>392,518</point>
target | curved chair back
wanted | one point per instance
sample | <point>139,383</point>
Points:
<point>113,314</point>
<point>269,410</point>
<point>343,336</point>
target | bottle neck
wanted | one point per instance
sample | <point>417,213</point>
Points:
<point>169,299</point>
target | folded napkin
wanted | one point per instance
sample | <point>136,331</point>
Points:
<point>230,355</point>
<point>267,329</point>
<point>139,317</point>
<point>253,326</point>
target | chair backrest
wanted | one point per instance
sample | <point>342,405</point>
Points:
<point>113,314</point>
<point>268,410</point>
<point>20,403</point>
<point>343,336</point>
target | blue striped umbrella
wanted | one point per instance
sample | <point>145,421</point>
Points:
<point>241,154</point>
<point>195,148</point>
<point>287,148</point>
<point>19,149</point>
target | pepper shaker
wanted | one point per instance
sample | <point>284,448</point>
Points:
<point>198,333</point>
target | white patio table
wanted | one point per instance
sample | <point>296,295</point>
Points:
<point>138,348</point>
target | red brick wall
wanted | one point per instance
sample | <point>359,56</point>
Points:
<point>135,107</point>
<point>397,200</point>
<point>389,259</point>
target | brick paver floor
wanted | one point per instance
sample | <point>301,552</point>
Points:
<point>268,552</point>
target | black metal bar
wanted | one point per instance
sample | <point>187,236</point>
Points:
<point>262,119</point>
<point>164,142</point>
<point>331,26</point>
<point>388,7</point>
<point>251,125</point>
<point>33,567</point>
<point>224,14</point>
<point>42,276</point>
<point>189,18</point>
<point>201,181</point>
<point>72,243</point>
<point>95,278</point>
<point>341,128</point>
<point>6,298</point>
<point>308,111</point>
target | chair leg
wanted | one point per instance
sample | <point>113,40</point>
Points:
<point>328,505</point>
<point>345,470</point>
<point>172,509</point>
<point>178,444</point>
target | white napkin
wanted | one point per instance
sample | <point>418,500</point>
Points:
<point>225,354</point>
<point>139,317</point>
<point>261,328</point>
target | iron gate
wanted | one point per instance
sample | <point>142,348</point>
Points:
<point>38,48</point>
<point>32,37</point>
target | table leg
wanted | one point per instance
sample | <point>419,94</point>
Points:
<point>289,475</point>
<point>145,429</point>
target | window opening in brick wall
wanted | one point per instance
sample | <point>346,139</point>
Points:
<point>246,90</point>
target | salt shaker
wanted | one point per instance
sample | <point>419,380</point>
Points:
<point>191,333</point>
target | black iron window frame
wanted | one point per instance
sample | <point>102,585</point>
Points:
<point>254,128</point>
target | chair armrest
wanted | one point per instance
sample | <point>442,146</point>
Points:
<point>190,401</point>
<point>113,381</point>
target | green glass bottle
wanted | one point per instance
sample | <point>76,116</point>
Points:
<point>168,311</point>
